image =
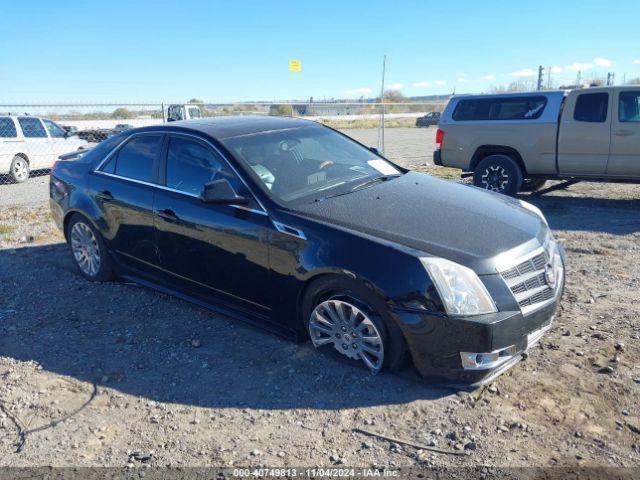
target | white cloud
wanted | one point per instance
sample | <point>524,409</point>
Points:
<point>358,91</point>
<point>395,86</point>
<point>525,72</point>
<point>421,84</point>
<point>556,69</point>
<point>440,82</point>
<point>602,62</point>
<point>488,77</point>
<point>579,67</point>
<point>636,61</point>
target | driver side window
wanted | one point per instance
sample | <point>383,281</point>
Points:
<point>190,165</point>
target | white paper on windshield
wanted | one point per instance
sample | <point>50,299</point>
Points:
<point>383,167</point>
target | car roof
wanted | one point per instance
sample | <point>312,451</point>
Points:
<point>235,126</point>
<point>537,93</point>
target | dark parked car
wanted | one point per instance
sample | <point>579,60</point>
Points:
<point>431,118</point>
<point>299,229</point>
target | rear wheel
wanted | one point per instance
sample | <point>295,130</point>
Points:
<point>345,319</point>
<point>19,169</point>
<point>498,173</point>
<point>89,250</point>
<point>532,184</point>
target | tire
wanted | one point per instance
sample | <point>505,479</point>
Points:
<point>498,173</point>
<point>19,169</point>
<point>532,184</point>
<point>352,296</point>
<point>89,251</point>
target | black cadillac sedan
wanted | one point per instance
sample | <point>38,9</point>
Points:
<point>299,229</point>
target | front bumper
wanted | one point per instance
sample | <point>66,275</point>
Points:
<point>436,342</point>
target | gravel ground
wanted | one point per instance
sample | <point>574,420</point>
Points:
<point>115,375</point>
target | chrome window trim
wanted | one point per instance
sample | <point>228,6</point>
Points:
<point>162,187</point>
<point>98,170</point>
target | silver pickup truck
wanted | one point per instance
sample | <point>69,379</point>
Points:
<point>515,142</point>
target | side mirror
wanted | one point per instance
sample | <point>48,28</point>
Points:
<point>374,150</point>
<point>221,192</point>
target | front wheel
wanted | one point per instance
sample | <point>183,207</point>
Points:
<point>89,250</point>
<point>498,173</point>
<point>345,319</point>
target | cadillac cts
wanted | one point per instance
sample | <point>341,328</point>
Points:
<point>297,228</point>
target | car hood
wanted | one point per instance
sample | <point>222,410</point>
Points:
<point>461,223</point>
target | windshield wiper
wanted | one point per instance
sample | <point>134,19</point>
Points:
<point>372,181</point>
<point>360,186</point>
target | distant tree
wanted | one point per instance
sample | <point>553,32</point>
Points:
<point>393,96</point>
<point>280,110</point>
<point>633,81</point>
<point>205,112</point>
<point>122,113</point>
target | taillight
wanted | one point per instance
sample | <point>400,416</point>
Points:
<point>439,139</point>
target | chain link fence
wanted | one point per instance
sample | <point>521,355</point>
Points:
<point>33,136</point>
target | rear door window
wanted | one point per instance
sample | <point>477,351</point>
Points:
<point>629,107</point>
<point>591,107</point>
<point>136,159</point>
<point>32,127</point>
<point>7,128</point>
<point>505,108</point>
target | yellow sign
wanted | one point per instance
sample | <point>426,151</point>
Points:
<point>295,65</point>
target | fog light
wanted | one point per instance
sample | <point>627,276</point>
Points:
<point>486,360</point>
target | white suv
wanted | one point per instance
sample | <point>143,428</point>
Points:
<point>32,143</point>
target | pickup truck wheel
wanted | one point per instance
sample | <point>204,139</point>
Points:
<point>532,184</point>
<point>498,173</point>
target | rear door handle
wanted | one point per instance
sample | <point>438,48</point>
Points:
<point>624,133</point>
<point>105,196</point>
<point>168,215</point>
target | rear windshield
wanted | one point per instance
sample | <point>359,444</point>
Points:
<point>506,108</point>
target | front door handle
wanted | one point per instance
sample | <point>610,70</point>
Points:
<point>623,133</point>
<point>105,196</point>
<point>168,215</point>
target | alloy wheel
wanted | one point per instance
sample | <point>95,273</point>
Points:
<point>20,169</point>
<point>495,178</point>
<point>350,330</point>
<point>86,251</point>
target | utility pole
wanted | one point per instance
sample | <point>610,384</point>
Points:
<point>548,78</point>
<point>381,127</point>
<point>611,78</point>
<point>540,76</point>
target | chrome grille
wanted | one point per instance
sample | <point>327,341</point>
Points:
<point>528,283</point>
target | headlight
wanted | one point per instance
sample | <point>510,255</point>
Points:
<point>534,209</point>
<point>459,287</point>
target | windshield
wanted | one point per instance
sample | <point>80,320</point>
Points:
<point>311,162</point>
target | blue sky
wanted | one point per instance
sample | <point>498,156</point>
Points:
<point>143,50</point>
